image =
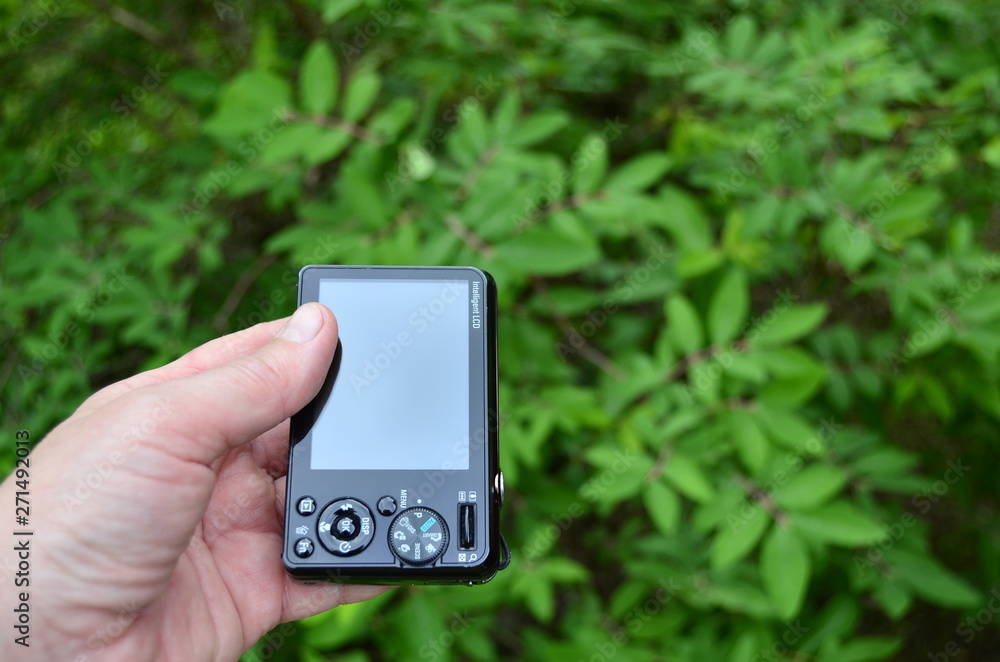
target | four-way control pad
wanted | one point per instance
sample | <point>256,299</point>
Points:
<point>346,527</point>
<point>418,535</point>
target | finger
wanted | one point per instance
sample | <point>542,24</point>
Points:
<point>211,354</point>
<point>226,406</point>
<point>270,450</point>
<point>302,600</point>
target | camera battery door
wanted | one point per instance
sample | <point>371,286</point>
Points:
<point>393,474</point>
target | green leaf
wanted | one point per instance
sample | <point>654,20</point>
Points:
<point>789,429</point>
<point>738,535</point>
<point>291,142</point>
<point>542,251</point>
<point>784,569</point>
<point>932,581</point>
<point>540,600</point>
<point>853,245</point>
<point>537,127</point>
<point>991,152</point>
<point>839,523</point>
<point>751,445</point>
<point>664,507</point>
<point>334,9</point>
<point>363,197</point>
<point>893,599</point>
<point>563,570</point>
<point>362,90</point>
<point>590,163</point>
<point>506,114</point>
<point>729,307</point>
<point>684,217</point>
<point>248,104</point>
<point>868,649</point>
<point>328,144</point>
<point>683,325</point>
<point>685,474</point>
<point>318,79</point>
<point>810,487</point>
<point>639,173</point>
<point>789,324</point>
<point>740,598</point>
<point>741,37</point>
<point>697,262</point>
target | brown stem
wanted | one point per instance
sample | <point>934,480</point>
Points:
<point>240,288</point>
<point>468,237</point>
<point>763,498</point>
<point>586,350</point>
<point>356,130</point>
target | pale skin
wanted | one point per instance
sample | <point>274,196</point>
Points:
<point>158,507</point>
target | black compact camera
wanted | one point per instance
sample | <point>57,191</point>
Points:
<point>393,472</point>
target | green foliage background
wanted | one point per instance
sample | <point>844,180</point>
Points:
<point>747,262</point>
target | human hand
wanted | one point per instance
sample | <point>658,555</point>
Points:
<point>158,506</point>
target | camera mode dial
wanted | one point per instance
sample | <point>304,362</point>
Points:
<point>418,535</point>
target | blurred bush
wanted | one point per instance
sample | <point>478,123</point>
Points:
<point>747,263</point>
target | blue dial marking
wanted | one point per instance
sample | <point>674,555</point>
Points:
<point>428,524</point>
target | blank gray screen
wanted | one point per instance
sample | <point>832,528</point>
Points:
<point>401,397</point>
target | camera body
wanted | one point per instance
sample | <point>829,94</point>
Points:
<point>393,473</point>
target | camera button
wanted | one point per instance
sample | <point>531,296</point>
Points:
<point>304,548</point>
<point>306,506</point>
<point>346,527</point>
<point>386,505</point>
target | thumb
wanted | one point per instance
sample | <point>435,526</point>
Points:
<point>227,406</point>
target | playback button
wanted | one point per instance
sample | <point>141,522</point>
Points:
<point>346,527</point>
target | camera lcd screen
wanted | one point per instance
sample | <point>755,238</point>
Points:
<point>400,400</point>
